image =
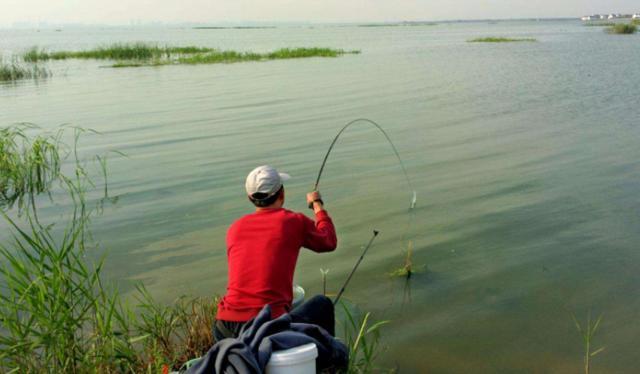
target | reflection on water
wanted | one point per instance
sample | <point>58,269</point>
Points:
<point>524,158</point>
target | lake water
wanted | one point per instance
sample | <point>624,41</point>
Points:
<point>525,158</point>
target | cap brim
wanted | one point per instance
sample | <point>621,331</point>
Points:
<point>284,176</point>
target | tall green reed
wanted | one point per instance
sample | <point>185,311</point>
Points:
<point>362,337</point>
<point>57,314</point>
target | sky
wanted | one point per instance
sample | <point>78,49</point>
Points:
<point>316,11</point>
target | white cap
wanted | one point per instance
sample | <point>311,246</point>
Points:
<point>265,180</point>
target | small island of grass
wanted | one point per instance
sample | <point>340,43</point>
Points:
<point>623,28</point>
<point>141,54</point>
<point>118,51</point>
<point>494,39</point>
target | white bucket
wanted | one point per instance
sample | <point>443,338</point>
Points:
<point>298,360</point>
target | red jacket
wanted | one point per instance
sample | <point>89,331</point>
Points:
<point>262,250</point>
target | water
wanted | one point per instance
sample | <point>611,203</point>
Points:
<point>524,158</point>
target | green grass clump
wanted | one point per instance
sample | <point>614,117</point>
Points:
<point>57,314</point>
<point>10,72</point>
<point>501,40</point>
<point>280,54</point>
<point>141,54</point>
<point>136,64</point>
<point>635,22</point>
<point>599,24</point>
<point>362,337</point>
<point>118,51</point>
<point>623,28</point>
<point>219,57</point>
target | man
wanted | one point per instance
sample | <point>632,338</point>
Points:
<point>262,251</point>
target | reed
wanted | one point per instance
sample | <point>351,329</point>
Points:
<point>362,337</point>
<point>57,314</point>
<point>409,268</point>
<point>280,54</point>
<point>599,24</point>
<point>118,51</point>
<point>501,40</point>
<point>622,28</point>
<point>588,331</point>
<point>11,72</point>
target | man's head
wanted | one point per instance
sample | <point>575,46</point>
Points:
<point>264,186</point>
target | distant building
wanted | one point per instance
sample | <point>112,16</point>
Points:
<point>636,16</point>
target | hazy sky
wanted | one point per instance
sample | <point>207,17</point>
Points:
<point>212,11</point>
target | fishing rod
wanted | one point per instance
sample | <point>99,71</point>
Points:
<point>395,151</point>
<point>375,234</point>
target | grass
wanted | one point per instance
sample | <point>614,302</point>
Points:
<point>57,314</point>
<point>284,53</point>
<point>11,72</point>
<point>588,332</point>
<point>500,40</point>
<point>362,338</point>
<point>118,51</point>
<point>141,54</point>
<point>635,22</point>
<point>600,24</point>
<point>622,28</point>
<point>408,269</point>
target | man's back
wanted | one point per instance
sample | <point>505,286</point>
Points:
<point>262,250</point>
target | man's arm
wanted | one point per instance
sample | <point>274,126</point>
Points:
<point>319,236</point>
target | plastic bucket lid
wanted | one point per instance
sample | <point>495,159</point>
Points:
<point>296,355</point>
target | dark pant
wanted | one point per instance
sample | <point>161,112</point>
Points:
<point>317,311</point>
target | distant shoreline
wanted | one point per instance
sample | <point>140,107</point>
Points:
<point>191,25</point>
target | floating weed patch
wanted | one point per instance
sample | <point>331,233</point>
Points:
<point>501,40</point>
<point>408,268</point>
<point>623,28</point>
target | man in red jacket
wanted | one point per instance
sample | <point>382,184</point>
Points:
<point>262,250</point>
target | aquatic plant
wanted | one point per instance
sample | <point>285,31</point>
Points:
<point>588,332</point>
<point>10,72</point>
<point>500,40</point>
<point>117,51</point>
<point>408,269</point>
<point>622,28</point>
<point>219,57</point>
<point>284,53</point>
<point>363,341</point>
<point>57,314</point>
<point>28,165</point>
<point>599,24</point>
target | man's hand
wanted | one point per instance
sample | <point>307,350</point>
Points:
<point>314,201</point>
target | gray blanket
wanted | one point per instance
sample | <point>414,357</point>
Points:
<point>251,351</point>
